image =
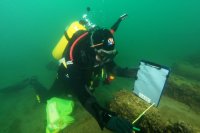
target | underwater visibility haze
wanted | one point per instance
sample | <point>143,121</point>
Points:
<point>166,32</point>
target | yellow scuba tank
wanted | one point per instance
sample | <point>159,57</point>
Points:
<point>63,42</point>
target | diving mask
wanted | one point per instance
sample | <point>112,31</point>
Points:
<point>105,55</point>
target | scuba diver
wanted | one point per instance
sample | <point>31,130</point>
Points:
<point>88,59</point>
<point>88,53</point>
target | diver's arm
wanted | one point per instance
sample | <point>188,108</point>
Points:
<point>120,71</point>
<point>126,72</point>
<point>116,24</point>
<point>104,117</point>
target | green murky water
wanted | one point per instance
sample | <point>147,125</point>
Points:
<point>161,31</point>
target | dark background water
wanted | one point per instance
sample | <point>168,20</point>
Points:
<point>162,31</point>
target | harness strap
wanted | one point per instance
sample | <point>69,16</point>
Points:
<point>66,36</point>
<point>74,44</point>
<point>64,62</point>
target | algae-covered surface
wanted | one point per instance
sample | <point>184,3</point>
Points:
<point>179,107</point>
<point>130,106</point>
<point>21,113</point>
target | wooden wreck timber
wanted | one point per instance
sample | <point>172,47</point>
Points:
<point>129,106</point>
<point>184,90</point>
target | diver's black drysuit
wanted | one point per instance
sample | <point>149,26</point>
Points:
<point>78,77</point>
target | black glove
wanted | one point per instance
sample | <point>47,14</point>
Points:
<point>116,124</point>
<point>126,72</point>
<point>116,24</point>
<point>106,118</point>
<point>122,17</point>
<point>119,125</point>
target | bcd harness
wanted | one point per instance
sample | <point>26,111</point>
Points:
<point>64,43</point>
<point>106,78</point>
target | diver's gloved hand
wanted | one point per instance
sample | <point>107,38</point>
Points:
<point>116,24</point>
<point>118,124</point>
<point>122,17</point>
<point>126,72</point>
<point>130,72</point>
